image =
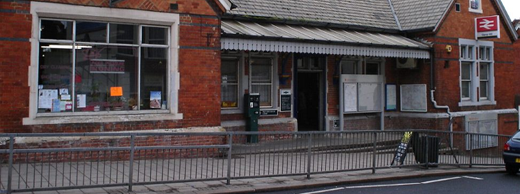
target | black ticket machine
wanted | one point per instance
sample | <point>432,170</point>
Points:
<point>252,113</point>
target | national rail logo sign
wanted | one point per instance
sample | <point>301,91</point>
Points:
<point>487,27</point>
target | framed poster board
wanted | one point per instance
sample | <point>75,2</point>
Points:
<point>285,100</point>
<point>413,98</point>
<point>350,97</point>
<point>391,97</point>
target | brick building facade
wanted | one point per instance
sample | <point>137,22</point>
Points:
<point>181,64</point>
<point>182,38</point>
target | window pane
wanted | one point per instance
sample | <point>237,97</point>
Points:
<point>481,53</point>
<point>483,89</point>
<point>153,78</point>
<point>265,94</point>
<point>229,88</point>
<point>106,78</point>
<point>261,70</point>
<point>470,52</point>
<point>124,34</point>
<point>465,71</point>
<point>229,95</point>
<point>489,53</point>
<point>462,51</point>
<point>91,32</point>
<point>465,89</point>
<point>484,71</point>
<point>154,35</point>
<point>55,77</point>
<point>58,30</point>
<point>229,71</point>
<point>372,69</point>
<point>348,67</point>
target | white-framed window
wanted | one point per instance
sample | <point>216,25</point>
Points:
<point>476,73</point>
<point>262,71</point>
<point>475,6</point>
<point>91,64</point>
<point>230,82</point>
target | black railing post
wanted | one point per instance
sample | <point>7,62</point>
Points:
<point>427,160</point>
<point>131,166</point>
<point>10,170</point>
<point>230,151</point>
<point>470,150</point>
<point>374,150</point>
<point>309,155</point>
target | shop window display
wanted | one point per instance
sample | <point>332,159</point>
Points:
<point>90,66</point>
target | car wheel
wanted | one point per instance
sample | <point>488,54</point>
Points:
<point>511,169</point>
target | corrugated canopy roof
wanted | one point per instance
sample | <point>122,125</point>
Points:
<point>280,37</point>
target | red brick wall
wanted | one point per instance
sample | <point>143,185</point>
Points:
<point>199,65</point>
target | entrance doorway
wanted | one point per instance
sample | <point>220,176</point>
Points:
<point>310,93</point>
<point>309,101</point>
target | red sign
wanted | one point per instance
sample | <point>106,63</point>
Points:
<point>487,27</point>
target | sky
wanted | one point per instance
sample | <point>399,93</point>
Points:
<point>513,8</point>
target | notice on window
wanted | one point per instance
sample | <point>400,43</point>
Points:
<point>107,66</point>
<point>116,91</point>
<point>45,97</point>
<point>155,99</point>
<point>81,100</point>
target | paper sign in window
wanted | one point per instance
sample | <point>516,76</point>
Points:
<point>116,91</point>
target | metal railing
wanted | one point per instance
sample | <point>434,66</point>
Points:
<point>37,162</point>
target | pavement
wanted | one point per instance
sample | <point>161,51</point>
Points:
<point>266,184</point>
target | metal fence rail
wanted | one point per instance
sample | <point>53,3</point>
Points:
<point>37,162</point>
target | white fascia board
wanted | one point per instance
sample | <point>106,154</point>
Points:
<point>226,4</point>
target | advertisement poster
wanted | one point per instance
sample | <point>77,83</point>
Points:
<point>155,99</point>
<point>45,97</point>
<point>81,100</point>
<point>116,91</point>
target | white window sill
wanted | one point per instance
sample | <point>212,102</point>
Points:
<point>481,103</point>
<point>231,111</point>
<point>100,117</point>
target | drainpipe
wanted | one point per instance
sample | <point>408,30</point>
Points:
<point>432,91</point>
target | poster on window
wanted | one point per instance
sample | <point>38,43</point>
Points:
<point>45,97</point>
<point>155,99</point>
<point>107,66</point>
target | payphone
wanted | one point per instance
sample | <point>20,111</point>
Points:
<point>252,112</point>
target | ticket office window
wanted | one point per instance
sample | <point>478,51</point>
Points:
<point>92,66</point>
<point>262,79</point>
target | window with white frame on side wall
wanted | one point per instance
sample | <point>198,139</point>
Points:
<point>93,64</point>
<point>476,73</point>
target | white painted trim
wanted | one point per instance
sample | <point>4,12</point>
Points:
<point>316,48</point>
<point>28,140</point>
<point>445,115</point>
<point>79,12</point>
<point>99,119</point>
<point>226,4</point>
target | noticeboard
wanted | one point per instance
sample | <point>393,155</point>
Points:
<point>285,101</point>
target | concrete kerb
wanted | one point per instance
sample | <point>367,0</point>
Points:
<point>360,179</point>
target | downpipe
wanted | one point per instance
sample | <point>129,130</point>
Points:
<point>450,116</point>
